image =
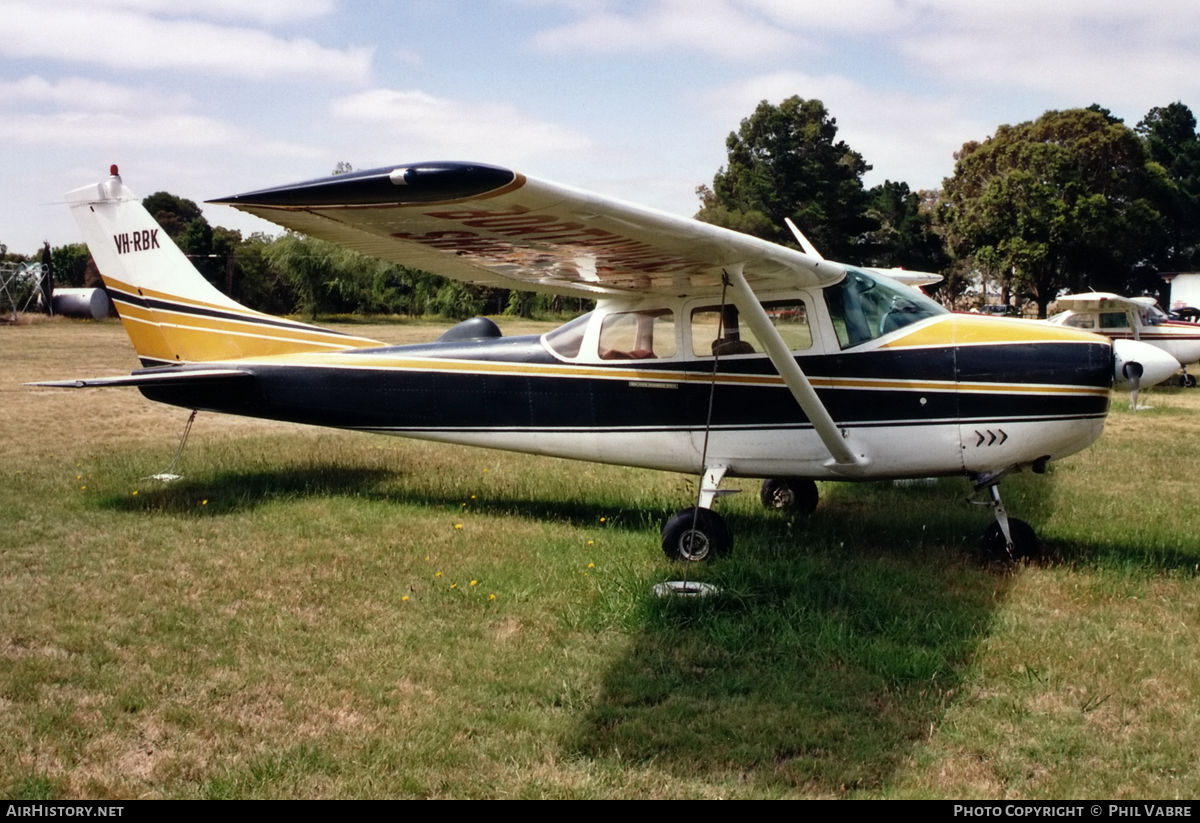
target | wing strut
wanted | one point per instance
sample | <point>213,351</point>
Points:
<point>751,311</point>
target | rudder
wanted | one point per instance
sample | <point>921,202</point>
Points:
<point>170,312</point>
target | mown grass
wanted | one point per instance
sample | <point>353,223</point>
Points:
<point>322,614</point>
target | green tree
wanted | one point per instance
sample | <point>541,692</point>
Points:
<point>69,264</point>
<point>1060,202</point>
<point>1172,143</point>
<point>173,213</point>
<point>786,161</point>
<point>906,237</point>
<point>310,267</point>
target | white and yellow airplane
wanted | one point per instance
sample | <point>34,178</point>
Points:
<point>709,352</point>
<point>1133,318</point>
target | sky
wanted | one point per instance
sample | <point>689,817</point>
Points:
<point>209,98</point>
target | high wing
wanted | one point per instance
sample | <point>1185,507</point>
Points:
<point>494,227</point>
<point>1102,300</point>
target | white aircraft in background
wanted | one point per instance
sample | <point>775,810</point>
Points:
<point>1133,318</point>
<point>709,352</point>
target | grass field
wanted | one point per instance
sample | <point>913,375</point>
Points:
<point>323,614</point>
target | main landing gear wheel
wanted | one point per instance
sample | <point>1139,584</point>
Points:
<point>790,494</point>
<point>1188,381</point>
<point>1026,545</point>
<point>693,535</point>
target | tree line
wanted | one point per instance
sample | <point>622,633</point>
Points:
<point>1074,200</point>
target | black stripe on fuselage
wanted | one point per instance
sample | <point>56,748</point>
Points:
<point>455,398</point>
<point>155,303</point>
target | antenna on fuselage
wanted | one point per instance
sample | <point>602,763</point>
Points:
<point>808,247</point>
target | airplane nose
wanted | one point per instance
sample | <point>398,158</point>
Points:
<point>1134,361</point>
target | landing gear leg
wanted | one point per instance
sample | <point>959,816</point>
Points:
<point>1008,539</point>
<point>700,533</point>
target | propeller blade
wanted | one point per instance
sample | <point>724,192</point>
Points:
<point>1133,373</point>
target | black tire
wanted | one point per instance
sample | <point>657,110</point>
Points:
<point>693,535</point>
<point>1188,381</point>
<point>793,495</point>
<point>1026,545</point>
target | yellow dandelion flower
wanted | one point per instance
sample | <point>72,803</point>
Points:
<point>602,519</point>
<point>591,565</point>
<point>81,488</point>
<point>474,582</point>
<point>590,542</point>
<point>135,492</point>
<point>439,574</point>
<point>472,497</point>
<point>491,597</point>
<point>454,585</point>
<point>203,502</point>
<point>404,599</point>
<point>79,477</point>
<point>458,525</point>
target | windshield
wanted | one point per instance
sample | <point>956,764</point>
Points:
<point>866,306</point>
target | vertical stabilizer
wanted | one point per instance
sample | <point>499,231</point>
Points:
<point>170,312</point>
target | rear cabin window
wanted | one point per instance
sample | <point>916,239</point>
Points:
<point>1081,321</point>
<point>717,330</point>
<point>1114,320</point>
<point>638,335</point>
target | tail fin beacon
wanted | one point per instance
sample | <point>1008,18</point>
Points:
<point>170,312</point>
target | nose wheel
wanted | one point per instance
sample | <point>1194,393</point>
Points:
<point>1008,540</point>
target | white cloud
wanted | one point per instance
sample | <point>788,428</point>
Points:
<point>90,95</point>
<point>100,129</point>
<point>264,11</point>
<point>121,38</point>
<point>413,125</point>
<point>903,136</point>
<point>718,27</point>
<point>1113,61</point>
<point>843,16</point>
<point>1109,51</point>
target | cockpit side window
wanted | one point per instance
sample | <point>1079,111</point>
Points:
<point>1081,321</point>
<point>716,330</point>
<point>638,335</point>
<point>566,340</point>
<point>864,307</point>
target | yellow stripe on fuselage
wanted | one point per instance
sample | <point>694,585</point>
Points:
<point>969,330</point>
<point>183,336</point>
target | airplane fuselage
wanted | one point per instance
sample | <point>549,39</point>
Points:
<point>919,402</point>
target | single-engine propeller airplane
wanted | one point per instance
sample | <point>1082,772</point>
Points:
<point>709,352</point>
<point>1133,318</point>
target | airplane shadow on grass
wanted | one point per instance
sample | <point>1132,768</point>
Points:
<point>834,649</point>
<point>234,492</point>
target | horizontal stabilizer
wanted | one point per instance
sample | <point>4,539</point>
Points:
<point>156,377</point>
